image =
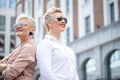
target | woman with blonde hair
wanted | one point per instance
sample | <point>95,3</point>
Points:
<point>56,60</point>
<point>20,64</point>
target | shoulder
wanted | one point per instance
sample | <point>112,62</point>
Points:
<point>30,46</point>
<point>44,42</point>
<point>70,49</point>
<point>31,43</point>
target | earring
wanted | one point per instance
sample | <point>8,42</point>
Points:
<point>30,33</point>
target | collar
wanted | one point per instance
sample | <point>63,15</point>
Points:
<point>28,41</point>
<point>48,36</point>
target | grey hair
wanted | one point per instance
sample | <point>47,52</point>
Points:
<point>48,16</point>
<point>30,19</point>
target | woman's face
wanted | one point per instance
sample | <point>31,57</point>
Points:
<point>58,23</point>
<point>23,28</point>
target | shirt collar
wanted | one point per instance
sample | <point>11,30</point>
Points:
<point>54,39</point>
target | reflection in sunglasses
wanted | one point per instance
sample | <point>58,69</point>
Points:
<point>62,18</point>
<point>20,24</point>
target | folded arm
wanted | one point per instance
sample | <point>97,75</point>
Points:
<point>26,57</point>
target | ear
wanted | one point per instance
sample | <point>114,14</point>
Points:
<point>33,30</point>
<point>49,24</point>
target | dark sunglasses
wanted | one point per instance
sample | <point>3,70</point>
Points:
<point>20,24</point>
<point>62,18</point>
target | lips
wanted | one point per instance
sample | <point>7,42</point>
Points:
<point>62,25</point>
<point>18,30</point>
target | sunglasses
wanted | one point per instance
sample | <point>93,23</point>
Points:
<point>20,24</point>
<point>62,18</point>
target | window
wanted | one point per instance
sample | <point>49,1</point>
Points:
<point>115,56</point>
<point>1,57</point>
<point>91,70</point>
<point>50,4</point>
<point>68,34</point>
<point>115,64</point>
<point>12,4</point>
<point>67,6</point>
<point>86,1</point>
<point>12,23</point>
<point>2,39</point>
<point>12,43</point>
<point>87,25</point>
<point>29,8</point>
<point>19,9</point>
<point>2,23</point>
<point>39,24</point>
<point>3,3</point>
<point>112,12</point>
<point>39,3</point>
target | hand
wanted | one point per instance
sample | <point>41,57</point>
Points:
<point>2,67</point>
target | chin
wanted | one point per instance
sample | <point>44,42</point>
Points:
<point>61,30</point>
<point>18,34</point>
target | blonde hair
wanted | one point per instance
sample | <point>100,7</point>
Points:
<point>48,16</point>
<point>30,19</point>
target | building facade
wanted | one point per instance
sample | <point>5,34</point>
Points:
<point>98,54</point>
<point>7,39</point>
<point>92,31</point>
<point>7,19</point>
<point>97,50</point>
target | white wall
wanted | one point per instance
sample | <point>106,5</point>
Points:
<point>69,16</point>
<point>38,14</point>
<point>85,9</point>
<point>8,13</point>
<point>28,7</point>
<point>106,9</point>
<point>50,4</point>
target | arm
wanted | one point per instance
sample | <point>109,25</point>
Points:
<point>3,63</point>
<point>44,59</point>
<point>2,67</point>
<point>76,73</point>
<point>25,58</point>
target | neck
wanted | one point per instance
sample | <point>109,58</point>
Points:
<point>56,35</point>
<point>23,40</point>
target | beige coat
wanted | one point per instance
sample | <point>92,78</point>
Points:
<point>21,62</point>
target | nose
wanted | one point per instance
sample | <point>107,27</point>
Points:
<point>18,27</point>
<point>63,21</point>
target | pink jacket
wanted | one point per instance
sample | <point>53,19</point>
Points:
<point>21,62</point>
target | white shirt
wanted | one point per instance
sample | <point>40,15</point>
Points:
<point>55,60</point>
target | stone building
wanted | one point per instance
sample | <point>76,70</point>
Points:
<point>7,19</point>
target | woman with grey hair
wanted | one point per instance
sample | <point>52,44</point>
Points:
<point>20,64</point>
<point>56,60</point>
